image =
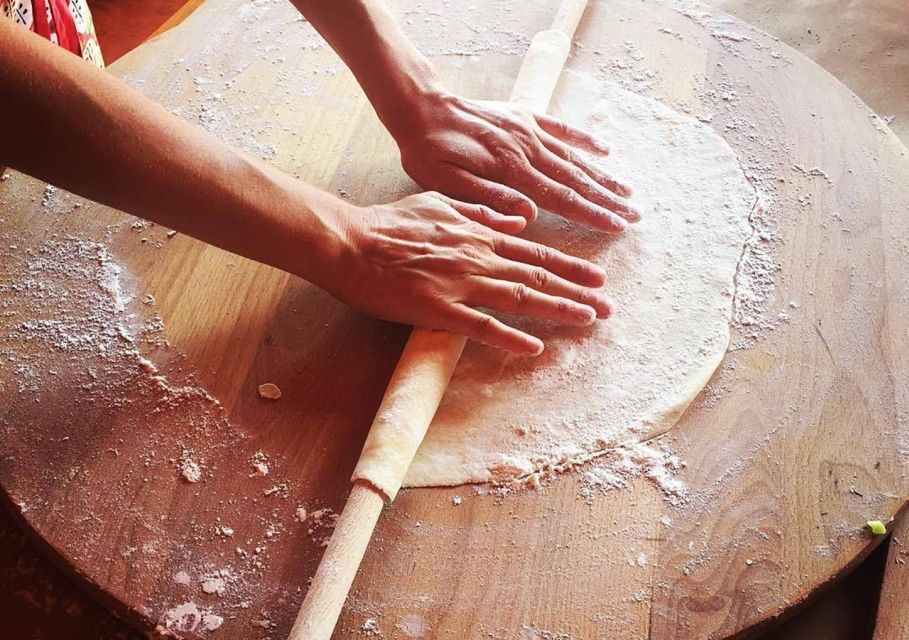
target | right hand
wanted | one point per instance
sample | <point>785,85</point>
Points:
<point>432,262</point>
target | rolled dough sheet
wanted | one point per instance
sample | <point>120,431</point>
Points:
<point>672,275</point>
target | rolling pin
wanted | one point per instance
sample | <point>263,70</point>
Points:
<point>416,386</point>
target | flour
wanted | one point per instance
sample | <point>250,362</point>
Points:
<point>182,578</point>
<point>188,617</point>
<point>617,467</point>
<point>445,33</point>
<point>213,585</point>
<point>189,468</point>
<point>371,628</point>
<point>259,464</point>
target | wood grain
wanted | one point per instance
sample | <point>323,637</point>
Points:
<point>784,467</point>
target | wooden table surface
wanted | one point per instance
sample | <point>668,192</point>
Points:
<point>783,469</point>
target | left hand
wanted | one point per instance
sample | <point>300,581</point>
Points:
<point>507,158</point>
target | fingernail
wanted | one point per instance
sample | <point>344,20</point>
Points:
<point>603,305</point>
<point>619,223</point>
<point>537,349</point>
<point>517,221</point>
<point>532,210</point>
<point>600,273</point>
<point>586,315</point>
<point>634,215</point>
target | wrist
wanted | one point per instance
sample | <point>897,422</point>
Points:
<point>401,105</point>
<point>318,237</point>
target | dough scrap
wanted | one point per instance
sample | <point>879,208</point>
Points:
<point>671,275</point>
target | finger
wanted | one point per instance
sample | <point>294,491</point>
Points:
<point>568,154</point>
<point>561,264</point>
<point>518,298</point>
<point>488,330</point>
<point>465,186</point>
<point>572,135</point>
<point>569,175</point>
<point>565,201</point>
<point>486,216</point>
<point>547,282</point>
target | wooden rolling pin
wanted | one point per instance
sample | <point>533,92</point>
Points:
<point>416,387</point>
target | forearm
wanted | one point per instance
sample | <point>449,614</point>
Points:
<point>85,131</point>
<point>391,71</point>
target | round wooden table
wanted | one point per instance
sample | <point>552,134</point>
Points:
<point>800,438</point>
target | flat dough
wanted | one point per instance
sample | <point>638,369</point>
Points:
<point>671,275</point>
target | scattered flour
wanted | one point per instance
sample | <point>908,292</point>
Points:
<point>260,465</point>
<point>188,617</point>
<point>371,628</point>
<point>189,468</point>
<point>618,466</point>
<point>182,578</point>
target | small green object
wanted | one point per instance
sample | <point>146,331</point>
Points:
<point>877,527</point>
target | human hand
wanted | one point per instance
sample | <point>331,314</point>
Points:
<point>508,158</point>
<point>431,261</point>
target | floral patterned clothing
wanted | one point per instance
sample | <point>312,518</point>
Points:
<point>67,23</point>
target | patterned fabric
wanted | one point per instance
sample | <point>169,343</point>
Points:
<point>67,23</point>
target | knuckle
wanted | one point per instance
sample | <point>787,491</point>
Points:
<point>482,325</point>
<point>509,159</point>
<point>567,195</point>
<point>471,253</point>
<point>577,176</point>
<point>484,213</point>
<point>540,278</point>
<point>520,294</point>
<point>542,253</point>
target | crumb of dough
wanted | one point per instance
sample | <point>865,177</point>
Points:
<point>371,627</point>
<point>324,517</point>
<point>190,469</point>
<point>260,465</point>
<point>188,616</point>
<point>456,501</point>
<point>300,513</point>
<point>181,577</point>
<point>211,621</point>
<point>213,585</point>
<point>269,391</point>
<point>279,490</point>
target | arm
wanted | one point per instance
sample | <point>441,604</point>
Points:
<point>491,153</point>
<point>426,260</point>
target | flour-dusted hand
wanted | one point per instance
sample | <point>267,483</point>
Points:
<point>432,261</point>
<point>508,158</point>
